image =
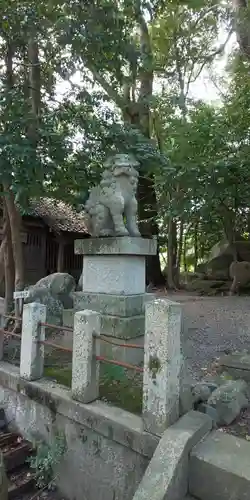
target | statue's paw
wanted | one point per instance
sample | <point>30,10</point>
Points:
<point>122,232</point>
<point>135,233</point>
<point>106,232</point>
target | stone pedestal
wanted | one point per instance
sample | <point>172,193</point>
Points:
<point>114,284</point>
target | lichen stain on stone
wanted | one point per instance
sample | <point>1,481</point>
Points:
<point>129,438</point>
<point>154,366</point>
<point>97,445</point>
<point>40,397</point>
<point>110,432</point>
<point>83,436</point>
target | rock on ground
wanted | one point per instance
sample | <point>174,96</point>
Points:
<point>54,291</point>
<point>228,400</point>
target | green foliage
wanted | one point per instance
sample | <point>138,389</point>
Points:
<point>197,153</point>
<point>47,458</point>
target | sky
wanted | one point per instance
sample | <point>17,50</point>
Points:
<point>204,88</point>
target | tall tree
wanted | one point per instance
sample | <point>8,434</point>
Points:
<point>184,42</point>
<point>111,45</point>
<point>242,24</point>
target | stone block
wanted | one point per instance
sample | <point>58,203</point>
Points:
<point>114,274</point>
<point>124,245</point>
<point>127,355</point>
<point>237,365</point>
<point>115,305</point>
<point>219,468</point>
<point>120,327</point>
<point>125,328</point>
<point>68,317</point>
<point>166,477</point>
<point>162,365</point>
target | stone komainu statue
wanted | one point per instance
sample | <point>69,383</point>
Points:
<point>111,208</point>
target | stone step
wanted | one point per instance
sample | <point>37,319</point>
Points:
<point>219,468</point>
<point>17,456</point>
<point>21,481</point>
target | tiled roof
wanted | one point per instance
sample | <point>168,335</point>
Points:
<point>58,215</point>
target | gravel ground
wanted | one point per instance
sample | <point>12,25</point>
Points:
<point>211,327</point>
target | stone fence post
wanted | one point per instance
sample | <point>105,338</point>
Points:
<point>32,353</point>
<point>85,366</point>
<point>162,365</point>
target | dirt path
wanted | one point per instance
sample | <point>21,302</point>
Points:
<point>212,326</point>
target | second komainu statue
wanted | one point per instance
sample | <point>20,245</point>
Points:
<point>111,208</point>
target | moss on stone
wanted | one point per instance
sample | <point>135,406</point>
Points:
<point>125,393</point>
<point>154,365</point>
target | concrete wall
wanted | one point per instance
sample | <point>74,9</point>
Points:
<point>108,452</point>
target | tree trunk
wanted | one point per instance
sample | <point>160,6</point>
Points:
<point>9,267</point>
<point>185,254</point>
<point>138,113</point>
<point>179,253</point>
<point>2,249</point>
<point>60,256</point>
<point>11,209</point>
<point>171,254</point>
<point>242,25</point>
<point>196,249</point>
<point>15,225</point>
<point>34,87</point>
<point>228,218</point>
<point>147,213</point>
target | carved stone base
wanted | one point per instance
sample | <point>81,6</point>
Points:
<point>114,265</point>
<point>113,304</point>
<point>119,245</point>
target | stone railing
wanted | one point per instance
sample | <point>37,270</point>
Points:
<point>162,358</point>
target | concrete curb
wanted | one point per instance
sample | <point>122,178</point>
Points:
<point>220,468</point>
<point>166,477</point>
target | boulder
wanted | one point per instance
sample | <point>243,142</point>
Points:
<point>223,247</point>
<point>53,305</point>
<point>54,291</point>
<point>228,400</point>
<point>201,392</point>
<point>218,268</point>
<point>222,255</point>
<point>58,283</point>
<point>208,287</point>
<point>240,274</point>
<point>192,395</point>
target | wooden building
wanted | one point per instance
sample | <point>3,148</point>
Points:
<point>48,236</point>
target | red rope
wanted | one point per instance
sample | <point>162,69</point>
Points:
<point>129,346</point>
<point>119,363</point>
<point>56,327</point>
<point>10,334</point>
<point>12,317</point>
<point>56,346</point>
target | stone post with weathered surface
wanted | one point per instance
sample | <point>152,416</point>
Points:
<point>162,365</point>
<point>32,353</point>
<point>85,366</point>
